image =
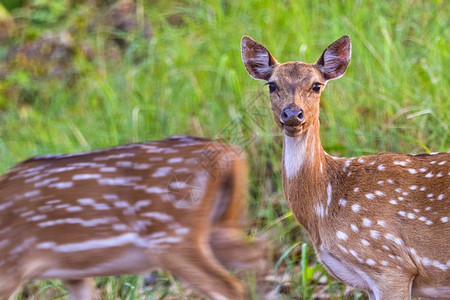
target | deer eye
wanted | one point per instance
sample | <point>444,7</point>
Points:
<point>316,86</point>
<point>272,86</point>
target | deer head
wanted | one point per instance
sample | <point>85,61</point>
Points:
<point>295,87</point>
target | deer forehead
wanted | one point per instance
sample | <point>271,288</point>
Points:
<point>296,75</point>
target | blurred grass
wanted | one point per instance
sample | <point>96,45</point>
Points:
<point>189,79</point>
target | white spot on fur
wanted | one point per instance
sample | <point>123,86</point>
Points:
<point>329,190</point>
<point>341,235</point>
<point>389,236</point>
<point>374,234</point>
<point>61,185</point>
<point>365,242</point>
<point>108,169</point>
<point>412,171</point>
<point>370,262</point>
<point>379,193</point>
<point>342,202</point>
<point>124,164</point>
<point>354,227</point>
<point>398,241</point>
<point>85,176</point>
<point>320,212</point>
<point>370,196</point>
<point>178,185</point>
<point>175,160</point>
<point>381,223</point>
<point>124,181</point>
<point>343,249</point>
<point>113,156</point>
<point>400,163</point>
<point>37,218</point>
<point>156,190</point>
<point>162,172</point>
<point>74,208</point>
<point>366,222</point>
<point>356,207</point>
<point>45,182</point>
<point>182,230</point>
<point>82,222</point>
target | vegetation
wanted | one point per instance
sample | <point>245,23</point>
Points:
<point>92,84</point>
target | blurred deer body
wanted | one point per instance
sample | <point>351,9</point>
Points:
<point>379,223</point>
<point>176,204</point>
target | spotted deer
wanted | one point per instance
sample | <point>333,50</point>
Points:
<point>378,222</point>
<point>176,204</point>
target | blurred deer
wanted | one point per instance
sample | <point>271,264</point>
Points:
<point>176,204</point>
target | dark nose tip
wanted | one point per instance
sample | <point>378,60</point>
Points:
<point>292,115</point>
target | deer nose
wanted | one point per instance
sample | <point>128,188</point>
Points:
<point>292,115</point>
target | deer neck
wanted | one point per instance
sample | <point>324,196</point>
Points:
<point>307,170</point>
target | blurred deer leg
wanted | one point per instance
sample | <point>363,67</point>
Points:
<point>197,267</point>
<point>80,289</point>
<point>10,280</point>
<point>235,250</point>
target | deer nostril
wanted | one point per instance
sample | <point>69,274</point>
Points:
<point>292,116</point>
<point>300,115</point>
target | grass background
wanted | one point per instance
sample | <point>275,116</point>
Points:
<point>189,79</point>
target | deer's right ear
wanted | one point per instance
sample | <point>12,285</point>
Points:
<point>257,60</point>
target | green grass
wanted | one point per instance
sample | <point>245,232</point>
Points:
<point>189,79</point>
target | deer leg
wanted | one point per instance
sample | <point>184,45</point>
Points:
<point>79,289</point>
<point>197,267</point>
<point>234,249</point>
<point>7,288</point>
<point>387,289</point>
<point>9,282</point>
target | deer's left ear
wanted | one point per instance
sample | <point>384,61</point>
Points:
<point>257,60</point>
<point>335,59</point>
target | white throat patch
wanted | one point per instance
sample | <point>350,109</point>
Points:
<point>294,154</point>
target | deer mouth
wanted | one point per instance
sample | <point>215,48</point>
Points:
<point>292,131</point>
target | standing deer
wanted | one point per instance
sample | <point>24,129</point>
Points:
<point>379,223</point>
<point>176,204</point>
